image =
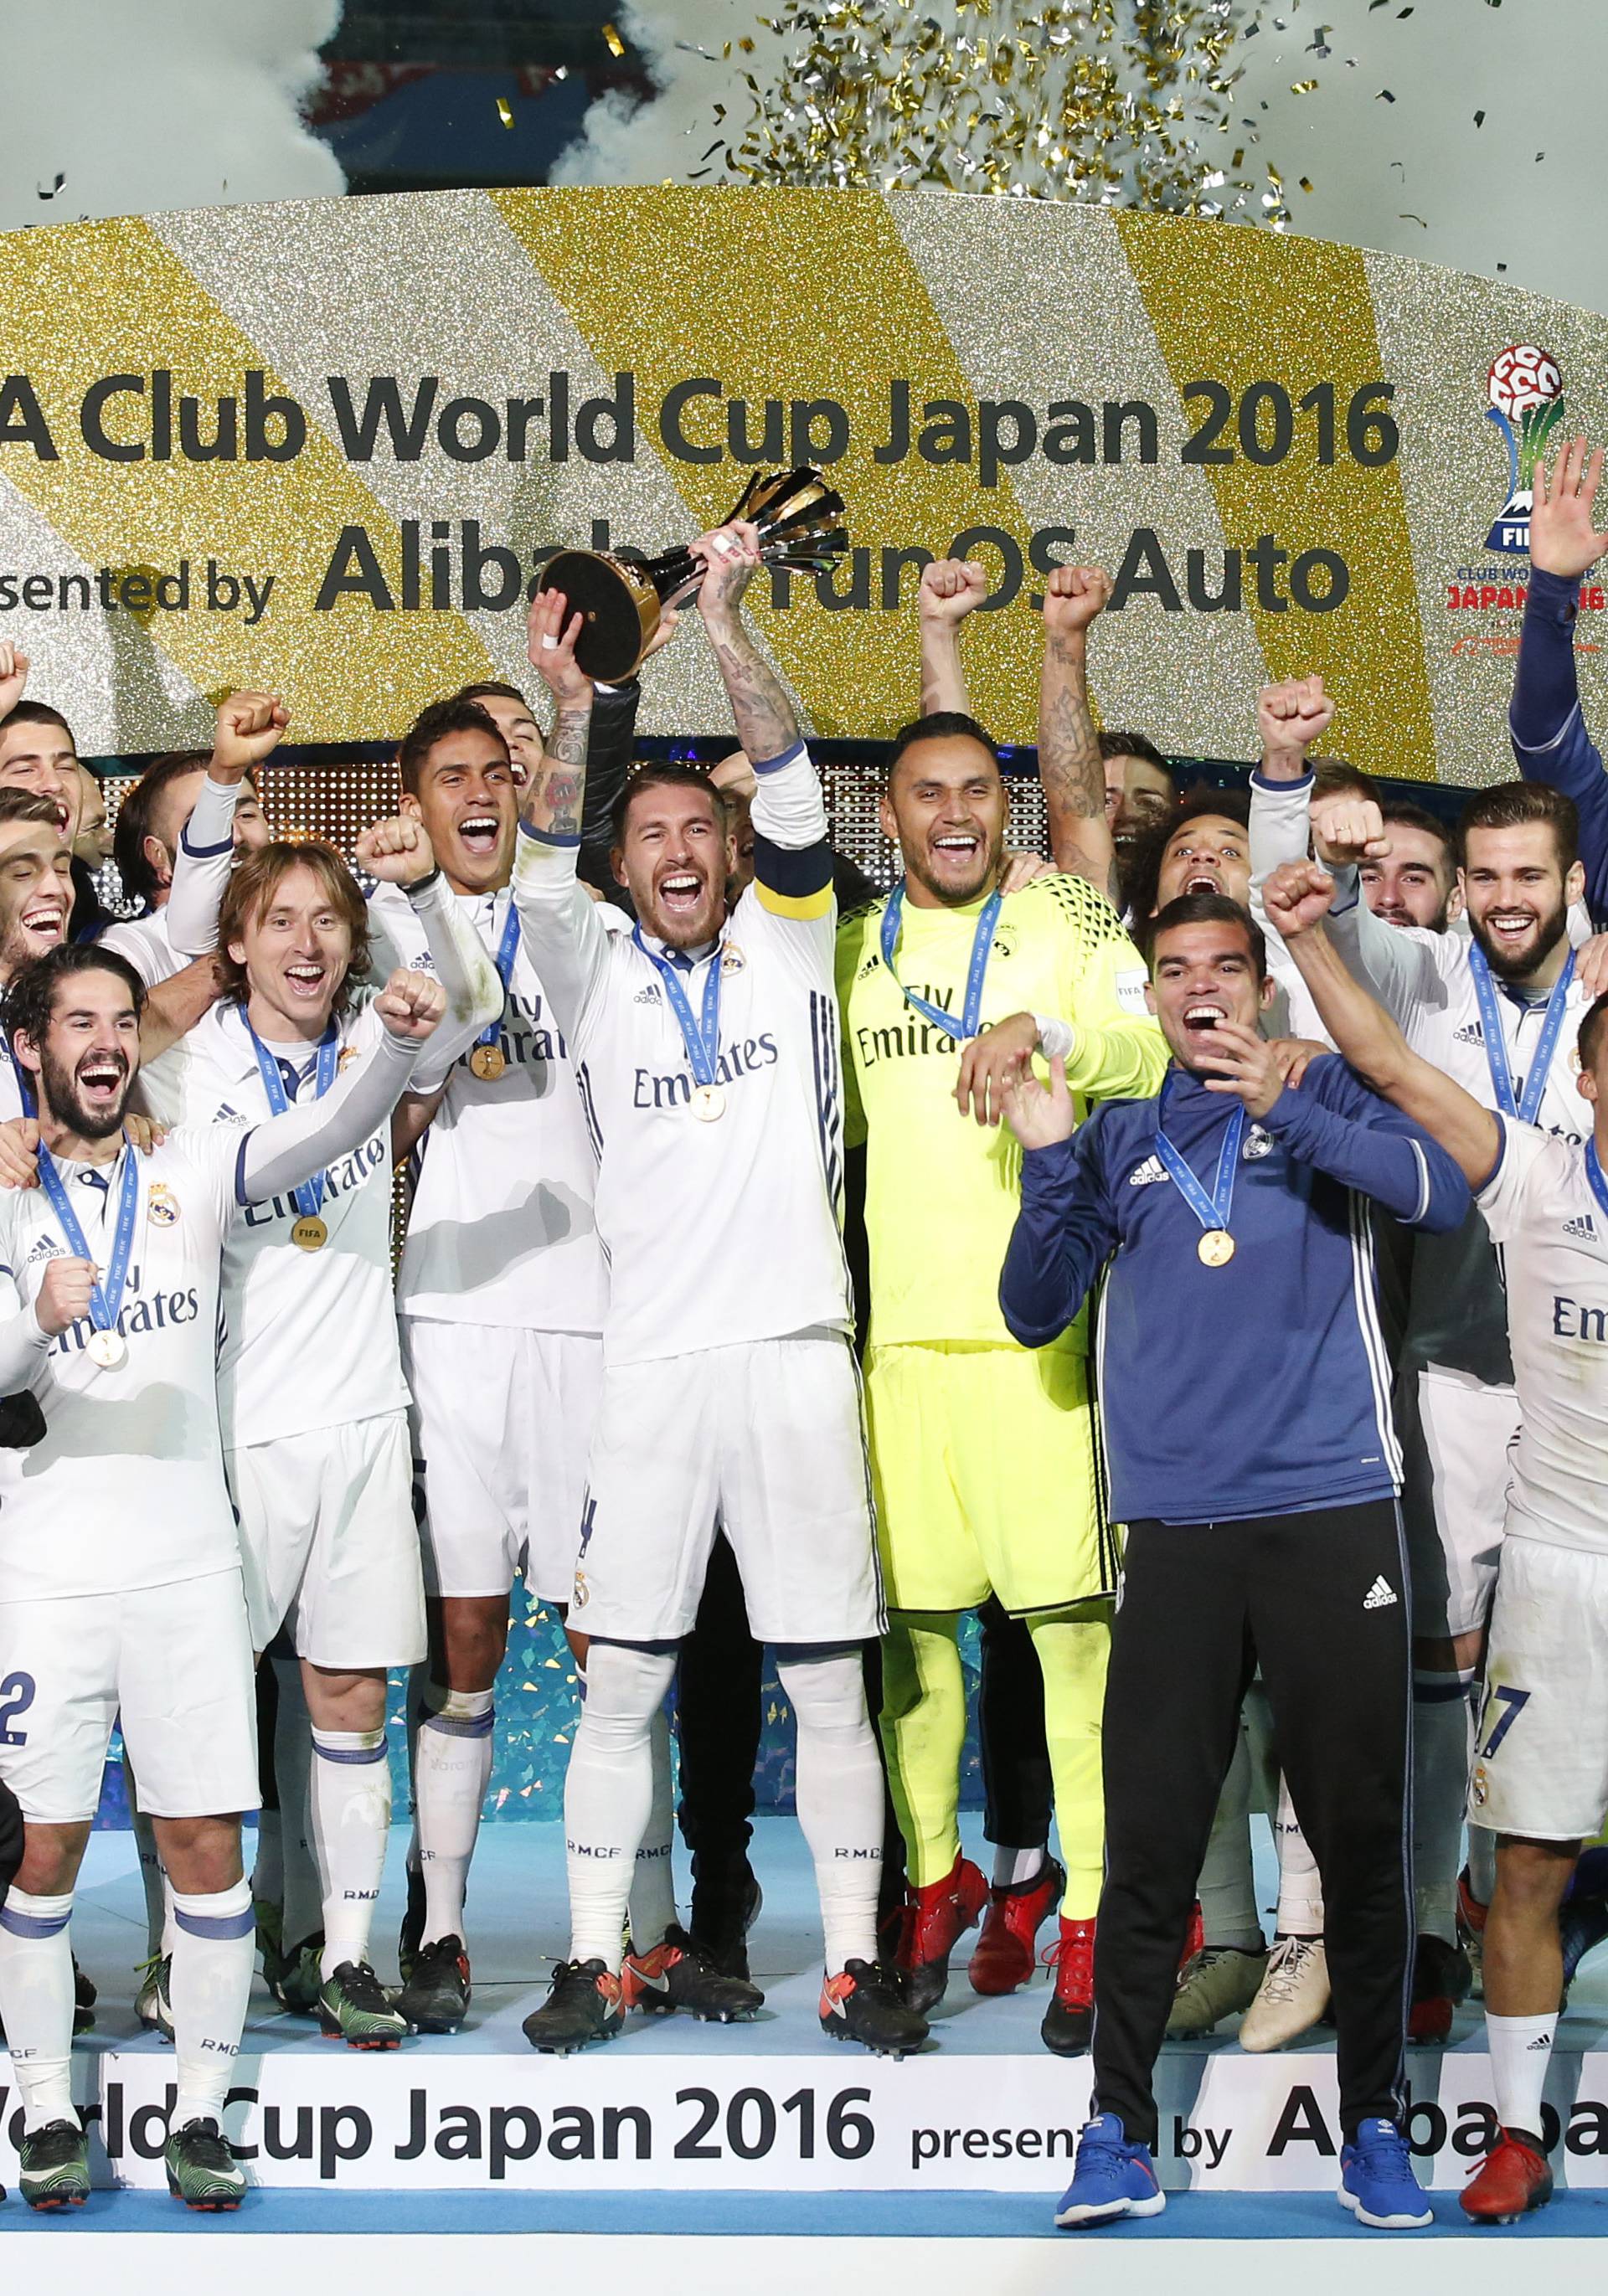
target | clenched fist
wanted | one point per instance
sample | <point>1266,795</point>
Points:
<point>410,1005</point>
<point>396,852</point>
<point>64,1295</point>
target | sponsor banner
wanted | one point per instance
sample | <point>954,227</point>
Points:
<point>721,2122</point>
<point>326,448</point>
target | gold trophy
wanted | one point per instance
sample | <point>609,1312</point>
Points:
<point>800,523</point>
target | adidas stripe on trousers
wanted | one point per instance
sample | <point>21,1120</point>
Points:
<point>1319,1602</point>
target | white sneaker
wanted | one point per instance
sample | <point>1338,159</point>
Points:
<point>1291,1998</point>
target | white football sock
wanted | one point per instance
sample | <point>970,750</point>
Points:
<point>838,1798</point>
<point>153,1882</point>
<point>652,1907</point>
<point>352,1829</point>
<point>1442,1751</point>
<point>1012,1867</point>
<point>214,1948</point>
<point>36,2003</point>
<point>1301,1892</point>
<point>1226,1888</point>
<point>452,1769</point>
<point>302,1891</point>
<point>608,1793</point>
<point>1520,2051</point>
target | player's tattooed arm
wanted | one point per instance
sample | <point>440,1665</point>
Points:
<point>1069,765</point>
<point>766,722</point>
<point>551,803</point>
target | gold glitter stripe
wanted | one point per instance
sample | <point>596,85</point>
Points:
<point>83,301</point>
<point>782,295</point>
<point>1243,307</point>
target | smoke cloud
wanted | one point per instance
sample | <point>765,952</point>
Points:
<point>124,109</point>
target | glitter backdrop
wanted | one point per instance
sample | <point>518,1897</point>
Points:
<point>392,408</point>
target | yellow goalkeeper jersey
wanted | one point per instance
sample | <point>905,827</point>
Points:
<point>940,1190</point>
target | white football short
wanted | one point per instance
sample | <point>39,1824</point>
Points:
<point>328,1543</point>
<point>174,1661</point>
<point>502,1422</point>
<point>765,1439</point>
<point>1541,1759</point>
<point>1457,1437</point>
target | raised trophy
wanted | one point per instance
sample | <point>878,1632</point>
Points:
<point>800,523</point>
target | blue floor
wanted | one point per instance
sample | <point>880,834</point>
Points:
<point>856,2216</point>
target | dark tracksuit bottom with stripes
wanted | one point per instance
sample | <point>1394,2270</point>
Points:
<point>1319,1601</point>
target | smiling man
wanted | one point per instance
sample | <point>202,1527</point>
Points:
<point>982,1450</point>
<point>119,1567</point>
<point>35,900</point>
<point>1498,1011</point>
<point>1258,1486</point>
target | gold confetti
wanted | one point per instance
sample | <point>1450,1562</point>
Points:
<point>613,41</point>
<point>504,112</point>
<point>1093,100</point>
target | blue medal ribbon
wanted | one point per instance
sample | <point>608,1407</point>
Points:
<point>982,941</point>
<point>702,1041</point>
<point>308,1197</point>
<point>507,950</point>
<point>1594,1173</point>
<point>106,1298</point>
<point>1496,1044</point>
<point>1211,1210</point>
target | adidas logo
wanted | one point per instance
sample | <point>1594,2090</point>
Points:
<point>648,995</point>
<point>1144,1175</point>
<point>1542,2041</point>
<point>1583,1225</point>
<point>46,1248</point>
<point>1469,1033</point>
<point>1380,1595</point>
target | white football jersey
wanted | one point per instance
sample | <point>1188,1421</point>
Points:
<point>127,1490</point>
<point>1542,1210</point>
<point>501,1229</point>
<point>309,1338</point>
<point>717,1233</point>
<point>144,942</point>
<point>1456,1314</point>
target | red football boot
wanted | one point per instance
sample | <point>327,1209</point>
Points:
<point>1007,1951</point>
<point>1509,2182</point>
<point>935,1918</point>
<point>1069,2022</point>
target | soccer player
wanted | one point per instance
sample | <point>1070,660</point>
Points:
<point>311,1396</point>
<point>37,752</point>
<point>1259,1487</point>
<point>1498,1011</point>
<point>120,1567</point>
<point>1140,793</point>
<point>1540,1778</point>
<point>501,1294</point>
<point>35,900</point>
<point>982,1451</point>
<point>706,1046</point>
<point>149,836</point>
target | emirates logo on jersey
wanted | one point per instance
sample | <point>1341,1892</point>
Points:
<point>161,1206</point>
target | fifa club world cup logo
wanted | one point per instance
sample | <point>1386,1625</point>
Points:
<point>1526,405</point>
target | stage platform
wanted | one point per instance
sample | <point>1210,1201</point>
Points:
<point>766,2135</point>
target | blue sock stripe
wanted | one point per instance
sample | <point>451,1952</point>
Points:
<point>214,1925</point>
<point>327,1753</point>
<point>32,1925</point>
<point>455,1725</point>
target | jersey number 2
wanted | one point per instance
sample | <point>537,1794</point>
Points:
<point>16,1696</point>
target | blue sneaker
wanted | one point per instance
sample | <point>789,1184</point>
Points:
<point>1110,2177</point>
<point>1377,2181</point>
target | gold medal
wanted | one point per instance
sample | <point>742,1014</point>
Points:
<point>708,1103</point>
<point>310,1234</point>
<point>1215,1247</point>
<point>108,1349</point>
<point>487,1063</point>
